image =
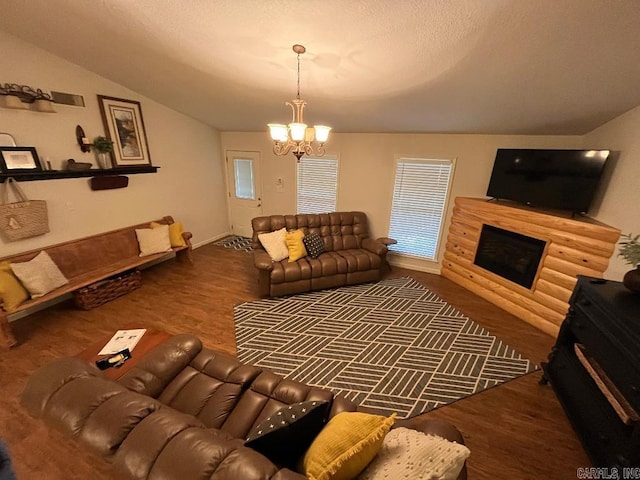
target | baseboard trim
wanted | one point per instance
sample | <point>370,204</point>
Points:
<point>418,265</point>
<point>210,240</point>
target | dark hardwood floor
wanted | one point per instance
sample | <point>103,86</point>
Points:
<point>515,431</point>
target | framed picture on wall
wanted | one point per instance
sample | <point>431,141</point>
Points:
<point>124,125</point>
<point>19,159</point>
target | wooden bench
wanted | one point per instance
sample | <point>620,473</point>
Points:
<point>88,260</point>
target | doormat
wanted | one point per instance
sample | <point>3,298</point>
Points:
<point>393,346</point>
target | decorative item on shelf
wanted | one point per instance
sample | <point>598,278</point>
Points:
<point>124,124</point>
<point>74,166</point>
<point>7,140</point>
<point>630,251</point>
<point>19,159</point>
<point>12,101</point>
<point>44,104</point>
<point>104,147</point>
<point>18,96</point>
<point>297,135</point>
<point>83,141</point>
<point>110,182</point>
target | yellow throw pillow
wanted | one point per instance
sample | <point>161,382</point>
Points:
<point>345,446</point>
<point>175,233</point>
<point>12,292</point>
<point>294,244</point>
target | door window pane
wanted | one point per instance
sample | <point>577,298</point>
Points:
<point>243,168</point>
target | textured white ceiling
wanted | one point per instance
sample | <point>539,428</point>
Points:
<point>464,66</point>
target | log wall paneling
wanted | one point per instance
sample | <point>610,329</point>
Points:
<point>575,246</point>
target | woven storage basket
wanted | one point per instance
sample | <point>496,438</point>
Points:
<point>99,293</point>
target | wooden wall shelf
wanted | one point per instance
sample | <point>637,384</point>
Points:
<point>57,174</point>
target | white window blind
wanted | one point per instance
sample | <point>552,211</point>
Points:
<point>317,185</point>
<point>420,194</point>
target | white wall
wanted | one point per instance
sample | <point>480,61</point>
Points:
<point>619,206</point>
<point>190,184</point>
<point>367,169</point>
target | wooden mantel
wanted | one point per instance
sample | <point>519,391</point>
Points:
<point>574,246</point>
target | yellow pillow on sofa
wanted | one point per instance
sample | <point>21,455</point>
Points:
<point>175,233</point>
<point>345,446</point>
<point>294,244</point>
<point>12,292</point>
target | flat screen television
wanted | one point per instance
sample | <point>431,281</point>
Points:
<point>560,179</point>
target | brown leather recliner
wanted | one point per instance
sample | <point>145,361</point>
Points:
<point>182,412</point>
<point>350,257</point>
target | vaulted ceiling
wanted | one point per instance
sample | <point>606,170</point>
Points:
<point>459,66</point>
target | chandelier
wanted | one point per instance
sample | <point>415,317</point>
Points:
<point>296,136</point>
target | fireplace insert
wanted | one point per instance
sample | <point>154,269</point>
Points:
<point>509,254</point>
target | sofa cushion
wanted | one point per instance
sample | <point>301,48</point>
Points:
<point>266,395</point>
<point>151,375</point>
<point>210,387</point>
<point>275,245</point>
<point>153,240</point>
<point>39,275</point>
<point>12,293</point>
<point>345,446</point>
<point>286,434</point>
<point>407,453</point>
<point>175,233</point>
<point>314,245</point>
<point>295,245</point>
<point>359,260</point>
<point>171,445</point>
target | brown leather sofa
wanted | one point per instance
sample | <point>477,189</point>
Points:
<point>350,257</point>
<point>182,412</point>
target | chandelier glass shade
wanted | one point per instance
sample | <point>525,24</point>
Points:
<point>297,137</point>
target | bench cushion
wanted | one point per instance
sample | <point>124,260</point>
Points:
<point>153,240</point>
<point>40,275</point>
<point>12,293</point>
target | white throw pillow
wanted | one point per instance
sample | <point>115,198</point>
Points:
<point>407,453</point>
<point>275,245</point>
<point>153,240</point>
<point>39,275</point>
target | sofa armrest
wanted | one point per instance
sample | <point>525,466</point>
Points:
<point>374,246</point>
<point>72,397</point>
<point>262,260</point>
<point>50,379</point>
<point>159,367</point>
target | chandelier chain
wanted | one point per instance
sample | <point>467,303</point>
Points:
<point>298,97</point>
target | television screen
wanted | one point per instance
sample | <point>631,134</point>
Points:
<point>562,179</point>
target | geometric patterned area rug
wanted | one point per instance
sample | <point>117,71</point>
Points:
<point>236,242</point>
<point>393,346</point>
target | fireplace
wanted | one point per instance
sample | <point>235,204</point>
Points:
<point>574,246</point>
<point>509,254</point>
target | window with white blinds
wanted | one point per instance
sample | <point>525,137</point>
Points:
<point>317,185</point>
<point>420,194</point>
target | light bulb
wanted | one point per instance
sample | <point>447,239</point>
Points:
<point>322,133</point>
